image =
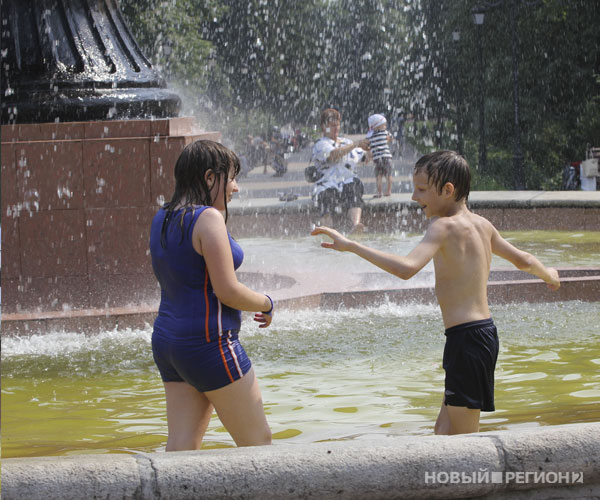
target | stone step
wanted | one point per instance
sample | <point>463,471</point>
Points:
<point>302,188</point>
<point>296,172</point>
<point>261,182</point>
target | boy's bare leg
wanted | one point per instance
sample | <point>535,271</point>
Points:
<point>463,420</point>
<point>388,191</point>
<point>457,420</point>
<point>442,424</point>
<point>379,184</point>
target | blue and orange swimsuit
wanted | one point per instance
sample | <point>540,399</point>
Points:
<point>195,337</point>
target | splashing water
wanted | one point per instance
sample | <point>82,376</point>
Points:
<point>324,374</point>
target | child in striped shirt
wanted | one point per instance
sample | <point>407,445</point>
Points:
<point>379,139</point>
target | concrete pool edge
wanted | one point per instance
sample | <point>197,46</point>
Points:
<point>555,461</point>
<point>585,287</point>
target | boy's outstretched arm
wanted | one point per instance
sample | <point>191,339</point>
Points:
<point>524,261</point>
<point>403,267</point>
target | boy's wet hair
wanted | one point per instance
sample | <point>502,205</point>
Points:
<point>330,115</point>
<point>446,166</point>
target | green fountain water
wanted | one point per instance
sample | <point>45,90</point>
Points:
<point>325,374</point>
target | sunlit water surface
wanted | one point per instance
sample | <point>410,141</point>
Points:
<point>310,269</point>
<point>324,374</point>
<point>553,248</point>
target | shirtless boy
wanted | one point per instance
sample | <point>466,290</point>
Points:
<point>461,246</point>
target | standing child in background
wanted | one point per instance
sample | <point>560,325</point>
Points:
<point>379,139</point>
<point>461,245</point>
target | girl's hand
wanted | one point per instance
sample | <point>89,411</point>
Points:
<point>263,318</point>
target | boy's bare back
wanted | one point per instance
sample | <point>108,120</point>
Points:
<point>462,267</point>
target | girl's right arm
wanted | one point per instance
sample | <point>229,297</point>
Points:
<point>210,239</point>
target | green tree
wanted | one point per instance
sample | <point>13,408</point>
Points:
<point>557,55</point>
<point>168,33</point>
<point>250,64</point>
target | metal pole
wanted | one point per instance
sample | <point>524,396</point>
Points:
<point>518,155</point>
<point>482,148</point>
<point>457,83</point>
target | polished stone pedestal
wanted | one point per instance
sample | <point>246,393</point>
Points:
<point>77,201</point>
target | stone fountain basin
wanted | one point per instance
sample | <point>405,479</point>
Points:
<point>295,288</point>
<point>304,290</point>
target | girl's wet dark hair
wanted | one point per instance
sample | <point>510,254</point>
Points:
<point>446,166</point>
<point>191,189</point>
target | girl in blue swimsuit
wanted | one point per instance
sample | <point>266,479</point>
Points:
<point>195,338</point>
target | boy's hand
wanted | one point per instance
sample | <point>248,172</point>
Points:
<point>554,283</point>
<point>364,144</point>
<point>340,243</point>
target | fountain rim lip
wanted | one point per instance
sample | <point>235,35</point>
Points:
<point>151,309</point>
<point>534,200</point>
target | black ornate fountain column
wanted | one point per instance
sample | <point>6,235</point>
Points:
<point>75,60</point>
